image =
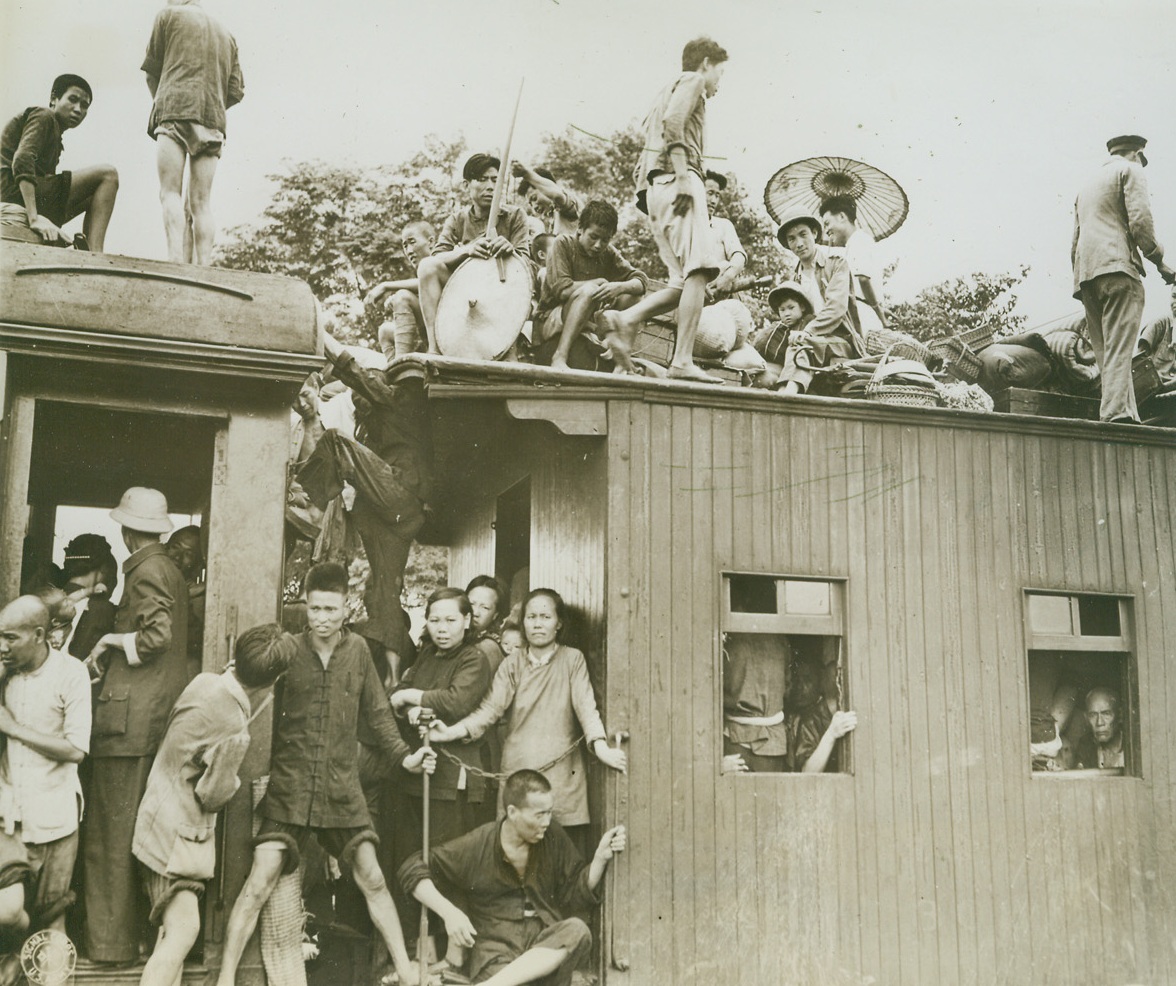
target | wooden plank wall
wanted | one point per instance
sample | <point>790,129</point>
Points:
<point>568,516</point>
<point>940,860</point>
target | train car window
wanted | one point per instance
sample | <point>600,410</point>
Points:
<point>785,705</point>
<point>1083,687</point>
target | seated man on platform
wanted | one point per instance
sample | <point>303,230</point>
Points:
<point>550,206</point>
<point>464,235</point>
<point>519,877</point>
<point>405,333</point>
<point>734,256</point>
<point>29,151</point>
<point>584,274</point>
<point>833,335</point>
<point>839,216</point>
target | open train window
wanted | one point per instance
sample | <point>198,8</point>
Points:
<point>784,691</point>
<point>1083,689</point>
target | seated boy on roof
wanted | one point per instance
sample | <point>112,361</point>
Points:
<point>405,332</point>
<point>794,307</point>
<point>29,151</point>
<point>464,235</point>
<point>585,273</point>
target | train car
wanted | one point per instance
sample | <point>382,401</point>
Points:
<point>119,372</point>
<point>949,574</point>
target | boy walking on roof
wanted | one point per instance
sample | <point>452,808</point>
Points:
<point>670,189</point>
<point>29,151</point>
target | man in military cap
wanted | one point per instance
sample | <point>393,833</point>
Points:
<point>1112,228</point>
<point>143,666</point>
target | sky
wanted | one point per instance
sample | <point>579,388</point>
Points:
<point>990,115</point>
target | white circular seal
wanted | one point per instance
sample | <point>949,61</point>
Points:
<point>48,958</point>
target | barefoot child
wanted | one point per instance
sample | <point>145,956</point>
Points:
<point>670,182</point>
<point>585,273</point>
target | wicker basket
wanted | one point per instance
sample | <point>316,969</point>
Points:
<point>977,338</point>
<point>887,390</point>
<point>962,362</point>
<point>899,344</point>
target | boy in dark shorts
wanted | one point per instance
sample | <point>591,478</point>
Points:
<point>30,149</point>
<point>585,273</point>
<point>195,775</point>
<point>329,691</point>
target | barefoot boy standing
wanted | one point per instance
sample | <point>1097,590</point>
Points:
<point>669,180</point>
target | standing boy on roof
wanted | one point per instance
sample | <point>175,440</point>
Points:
<point>669,180</point>
<point>464,235</point>
<point>194,76</point>
<point>29,151</point>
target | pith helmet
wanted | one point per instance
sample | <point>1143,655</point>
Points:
<point>144,510</point>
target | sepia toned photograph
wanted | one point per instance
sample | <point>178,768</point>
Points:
<point>587,493</point>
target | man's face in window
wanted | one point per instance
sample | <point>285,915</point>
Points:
<point>1103,716</point>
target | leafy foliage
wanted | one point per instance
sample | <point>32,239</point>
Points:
<point>977,301</point>
<point>338,227</point>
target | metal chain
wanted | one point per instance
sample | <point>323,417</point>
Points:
<point>491,775</point>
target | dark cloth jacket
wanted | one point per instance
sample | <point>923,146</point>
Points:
<point>134,702</point>
<point>569,262</point>
<point>475,868</point>
<point>1113,224</point>
<point>454,684</point>
<point>94,623</point>
<point>30,148</point>
<point>194,62</point>
<point>393,421</point>
<point>314,768</point>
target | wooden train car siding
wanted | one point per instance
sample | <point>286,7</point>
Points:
<point>940,858</point>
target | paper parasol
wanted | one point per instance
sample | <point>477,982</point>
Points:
<point>881,203</point>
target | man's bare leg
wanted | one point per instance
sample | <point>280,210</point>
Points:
<point>177,935</point>
<point>201,171</point>
<point>365,869</point>
<point>170,158</point>
<point>682,365</point>
<point>263,878</point>
<point>575,315</point>
<point>620,327</point>
<point>93,191</point>
<point>433,275</point>
<point>535,963</point>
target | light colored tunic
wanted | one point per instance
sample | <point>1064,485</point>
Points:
<point>545,709</point>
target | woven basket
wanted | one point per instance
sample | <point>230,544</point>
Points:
<point>887,390</point>
<point>899,344</point>
<point>976,339</point>
<point>962,362</point>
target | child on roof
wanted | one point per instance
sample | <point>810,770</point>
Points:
<point>585,274</point>
<point>784,340</point>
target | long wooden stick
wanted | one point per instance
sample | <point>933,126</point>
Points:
<point>504,169</point>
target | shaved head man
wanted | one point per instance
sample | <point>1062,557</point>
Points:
<point>45,719</point>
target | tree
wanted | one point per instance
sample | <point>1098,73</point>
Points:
<point>977,301</point>
<point>338,228</point>
<point>602,167</point>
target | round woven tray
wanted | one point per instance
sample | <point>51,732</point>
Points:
<point>907,395</point>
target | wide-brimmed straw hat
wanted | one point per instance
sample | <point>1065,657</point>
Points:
<point>144,510</point>
<point>797,214</point>
<point>791,289</point>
